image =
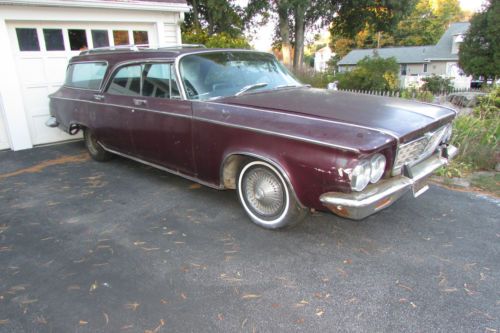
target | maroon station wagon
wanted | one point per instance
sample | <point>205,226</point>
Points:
<point>237,119</point>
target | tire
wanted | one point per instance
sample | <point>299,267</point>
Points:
<point>267,198</point>
<point>94,148</point>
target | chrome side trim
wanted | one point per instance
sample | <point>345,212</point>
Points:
<point>288,136</point>
<point>253,129</point>
<point>127,107</point>
<point>387,132</point>
<point>177,173</point>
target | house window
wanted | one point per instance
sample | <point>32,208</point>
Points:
<point>141,37</point>
<point>404,69</point>
<point>27,39</point>
<point>77,39</point>
<point>120,37</point>
<point>425,68</point>
<point>100,38</point>
<point>53,39</point>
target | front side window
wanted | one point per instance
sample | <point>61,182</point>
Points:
<point>127,81</point>
<point>220,74</point>
<point>85,75</point>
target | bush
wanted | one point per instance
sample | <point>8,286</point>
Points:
<point>371,73</point>
<point>414,93</point>
<point>477,135</point>
<point>437,85</point>
<point>315,79</point>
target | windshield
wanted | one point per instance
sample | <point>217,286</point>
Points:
<point>221,74</point>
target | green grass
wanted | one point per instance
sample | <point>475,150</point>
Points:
<point>489,183</point>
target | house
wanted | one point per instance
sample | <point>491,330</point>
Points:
<point>417,62</point>
<point>321,58</point>
<point>38,37</point>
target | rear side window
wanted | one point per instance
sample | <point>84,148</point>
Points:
<point>86,75</point>
<point>127,81</point>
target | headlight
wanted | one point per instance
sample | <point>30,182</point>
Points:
<point>360,176</point>
<point>377,164</point>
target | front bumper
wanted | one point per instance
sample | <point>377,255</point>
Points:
<point>358,205</point>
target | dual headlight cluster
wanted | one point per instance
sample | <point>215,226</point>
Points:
<point>367,171</point>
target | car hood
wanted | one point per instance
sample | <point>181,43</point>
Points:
<point>399,118</point>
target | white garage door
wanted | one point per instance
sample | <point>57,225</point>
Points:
<point>42,51</point>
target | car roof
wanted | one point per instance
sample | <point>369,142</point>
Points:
<point>122,55</point>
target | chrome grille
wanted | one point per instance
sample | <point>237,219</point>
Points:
<point>419,149</point>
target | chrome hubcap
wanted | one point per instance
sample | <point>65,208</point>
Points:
<point>264,192</point>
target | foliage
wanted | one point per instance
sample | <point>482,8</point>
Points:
<point>437,84</point>
<point>477,135</point>
<point>371,73</point>
<point>424,25</point>
<point>479,53</point>
<point>420,95</point>
<point>219,40</point>
<point>315,79</point>
<point>214,16</point>
<point>427,22</point>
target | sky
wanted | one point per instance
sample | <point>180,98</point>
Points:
<point>263,40</point>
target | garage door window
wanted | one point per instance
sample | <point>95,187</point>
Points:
<point>86,75</point>
<point>77,39</point>
<point>100,38</point>
<point>53,39</point>
<point>27,39</point>
<point>141,37</point>
<point>120,37</point>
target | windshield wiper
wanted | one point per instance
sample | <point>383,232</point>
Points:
<point>250,87</point>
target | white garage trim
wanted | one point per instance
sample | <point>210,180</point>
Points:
<point>131,4</point>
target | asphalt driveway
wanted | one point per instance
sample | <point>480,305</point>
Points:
<point>122,247</point>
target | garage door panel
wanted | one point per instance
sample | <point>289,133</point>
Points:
<point>36,100</point>
<point>31,70</point>
<point>56,69</point>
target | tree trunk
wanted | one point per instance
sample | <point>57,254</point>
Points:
<point>300,24</point>
<point>196,18</point>
<point>284,33</point>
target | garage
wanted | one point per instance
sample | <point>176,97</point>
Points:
<point>42,37</point>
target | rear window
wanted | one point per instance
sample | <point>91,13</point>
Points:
<point>87,75</point>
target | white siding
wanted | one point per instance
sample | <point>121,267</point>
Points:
<point>170,34</point>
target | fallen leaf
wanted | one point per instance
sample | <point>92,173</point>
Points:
<point>220,316</point>
<point>183,296</point>
<point>250,296</point>
<point>194,186</point>
<point>106,317</point>
<point>93,286</point>
<point>319,312</point>
<point>83,322</point>
<point>299,321</point>
<point>4,321</point>
<point>132,306</point>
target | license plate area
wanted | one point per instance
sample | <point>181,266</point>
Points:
<point>420,186</point>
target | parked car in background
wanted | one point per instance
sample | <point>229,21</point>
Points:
<point>237,119</point>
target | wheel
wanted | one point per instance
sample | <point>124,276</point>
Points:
<point>266,196</point>
<point>94,148</point>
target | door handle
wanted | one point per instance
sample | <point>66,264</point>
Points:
<point>98,97</point>
<point>139,102</point>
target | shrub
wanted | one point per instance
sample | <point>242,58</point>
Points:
<point>414,93</point>
<point>477,135</point>
<point>315,79</point>
<point>371,73</point>
<point>437,85</point>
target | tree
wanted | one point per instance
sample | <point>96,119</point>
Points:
<point>215,16</point>
<point>424,24</point>
<point>479,54</point>
<point>371,73</point>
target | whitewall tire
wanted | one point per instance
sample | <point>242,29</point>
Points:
<point>266,196</point>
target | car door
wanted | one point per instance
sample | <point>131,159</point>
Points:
<point>161,128</point>
<point>116,108</point>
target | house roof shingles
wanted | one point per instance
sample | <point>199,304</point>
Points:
<point>412,54</point>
